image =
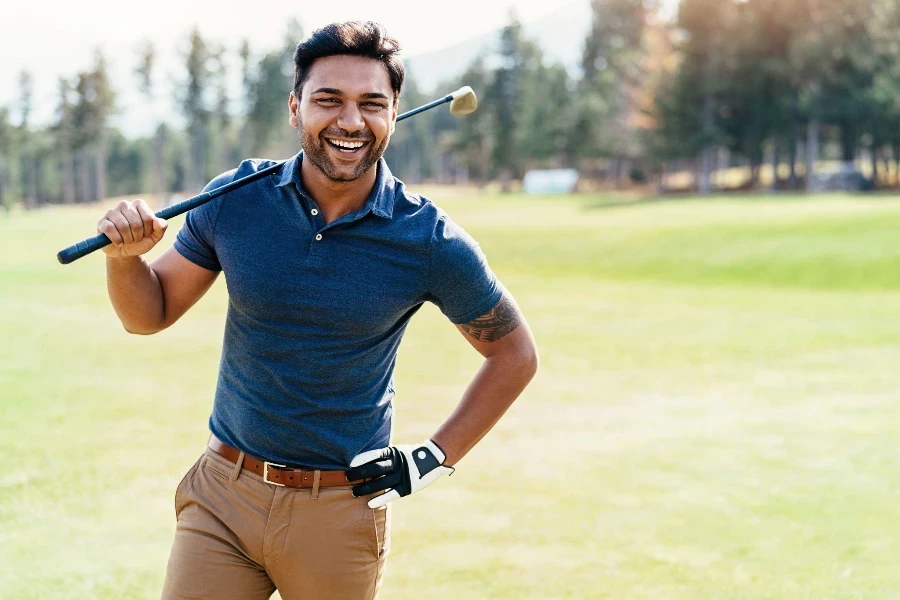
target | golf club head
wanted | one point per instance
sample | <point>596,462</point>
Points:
<point>464,101</point>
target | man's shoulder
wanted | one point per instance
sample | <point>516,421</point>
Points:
<point>411,205</point>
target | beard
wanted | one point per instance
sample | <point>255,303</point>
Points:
<point>314,149</point>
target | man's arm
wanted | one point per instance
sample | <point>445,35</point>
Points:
<point>147,297</point>
<point>511,359</point>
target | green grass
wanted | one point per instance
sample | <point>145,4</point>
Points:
<point>715,415</point>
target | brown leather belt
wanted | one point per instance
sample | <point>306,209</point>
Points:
<point>279,474</point>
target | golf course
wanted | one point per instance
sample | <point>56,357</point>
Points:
<point>715,415</point>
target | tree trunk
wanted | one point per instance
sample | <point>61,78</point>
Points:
<point>84,168</point>
<point>68,175</point>
<point>776,160</point>
<point>755,167</point>
<point>812,152</point>
<point>792,139</point>
<point>849,141</point>
<point>100,166</point>
<point>874,158</point>
<point>30,175</point>
<point>705,171</point>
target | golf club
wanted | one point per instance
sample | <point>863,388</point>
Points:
<point>462,102</point>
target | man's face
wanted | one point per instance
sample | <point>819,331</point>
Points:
<point>345,115</point>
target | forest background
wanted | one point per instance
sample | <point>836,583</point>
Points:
<point>718,95</point>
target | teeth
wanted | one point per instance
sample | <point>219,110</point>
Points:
<point>347,145</point>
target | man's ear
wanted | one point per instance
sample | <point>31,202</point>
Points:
<point>396,109</point>
<point>293,108</point>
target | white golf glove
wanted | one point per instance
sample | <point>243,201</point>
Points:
<point>401,470</point>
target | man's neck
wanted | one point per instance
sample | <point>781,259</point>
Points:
<point>337,198</point>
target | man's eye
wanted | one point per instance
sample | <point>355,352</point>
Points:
<point>375,105</point>
<point>327,100</point>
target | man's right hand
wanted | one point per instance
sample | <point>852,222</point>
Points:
<point>132,228</point>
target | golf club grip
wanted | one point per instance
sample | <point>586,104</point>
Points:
<point>82,248</point>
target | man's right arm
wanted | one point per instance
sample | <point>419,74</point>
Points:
<point>147,297</point>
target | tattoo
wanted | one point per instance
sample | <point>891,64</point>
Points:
<point>490,327</point>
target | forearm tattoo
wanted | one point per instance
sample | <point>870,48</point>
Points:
<point>490,327</point>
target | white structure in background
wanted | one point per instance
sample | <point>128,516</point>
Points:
<point>550,181</point>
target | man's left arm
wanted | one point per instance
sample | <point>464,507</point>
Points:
<point>511,359</point>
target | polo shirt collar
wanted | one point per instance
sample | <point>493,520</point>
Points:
<point>380,201</point>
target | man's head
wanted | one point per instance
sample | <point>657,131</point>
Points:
<point>347,81</point>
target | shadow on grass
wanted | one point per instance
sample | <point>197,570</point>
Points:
<point>627,202</point>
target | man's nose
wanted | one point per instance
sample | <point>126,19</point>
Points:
<point>350,118</point>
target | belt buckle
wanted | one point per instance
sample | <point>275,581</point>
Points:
<point>266,465</point>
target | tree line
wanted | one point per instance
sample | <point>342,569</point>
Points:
<point>745,83</point>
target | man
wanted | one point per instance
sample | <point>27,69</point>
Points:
<point>325,264</point>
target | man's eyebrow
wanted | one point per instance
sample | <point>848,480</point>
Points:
<point>337,92</point>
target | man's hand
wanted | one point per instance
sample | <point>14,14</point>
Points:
<point>132,228</point>
<point>401,470</point>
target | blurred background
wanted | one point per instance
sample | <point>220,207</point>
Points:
<point>700,95</point>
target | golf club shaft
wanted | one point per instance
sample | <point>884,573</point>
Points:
<point>424,107</point>
<point>91,244</point>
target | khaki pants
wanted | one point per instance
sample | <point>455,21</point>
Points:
<point>239,538</point>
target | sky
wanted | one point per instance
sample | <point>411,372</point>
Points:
<point>53,38</point>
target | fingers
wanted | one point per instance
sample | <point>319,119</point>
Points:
<point>131,222</point>
<point>370,456</point>
<point>376,485</point>
<point>146,216</point>
<point>107,227</point>
<point>383,499</point>
<point>371,469</point>
<point>133,218</point>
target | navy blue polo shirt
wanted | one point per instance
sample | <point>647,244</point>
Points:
<point>316,312</point>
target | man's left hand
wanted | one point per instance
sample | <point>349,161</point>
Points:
<point>401,470</point>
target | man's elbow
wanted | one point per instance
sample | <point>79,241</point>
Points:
<point>143,328</point>
<point>529,361</point>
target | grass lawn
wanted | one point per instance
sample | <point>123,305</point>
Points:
<point>716,415</point>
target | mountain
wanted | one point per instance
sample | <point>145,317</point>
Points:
<point>560,35</point>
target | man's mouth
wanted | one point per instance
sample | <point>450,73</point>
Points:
<point>349,147</point>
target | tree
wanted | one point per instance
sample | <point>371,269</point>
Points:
<point>90,115</point>
<point>548,116</point>
<point>8,159</point>
<point>272,82</point>
<point>199,59</point>
<point>29,166</point>
<point>155,150</point>
<point>471,141</point>
<point>408,152</point>
<point>516,55</point>
<point>607,105</point>
<point>64,132</point>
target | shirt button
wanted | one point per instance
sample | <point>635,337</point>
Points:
<point>318,237</point>
<point>314,211</point>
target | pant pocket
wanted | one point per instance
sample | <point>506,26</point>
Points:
<point>376,528</point>
<point>220,470</point>
<point>183,490</point>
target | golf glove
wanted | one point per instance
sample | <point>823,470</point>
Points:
<point>401,470</point>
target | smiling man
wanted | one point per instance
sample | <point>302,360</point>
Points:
<point>325,263</point>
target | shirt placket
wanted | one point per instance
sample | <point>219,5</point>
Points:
<point>321,232</point>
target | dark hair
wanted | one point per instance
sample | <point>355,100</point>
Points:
<point>356,38</point>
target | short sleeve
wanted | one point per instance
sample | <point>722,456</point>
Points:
<point>460,281</point>
<point>196,239</point>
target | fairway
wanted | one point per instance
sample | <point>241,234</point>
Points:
<point>716,413</point>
